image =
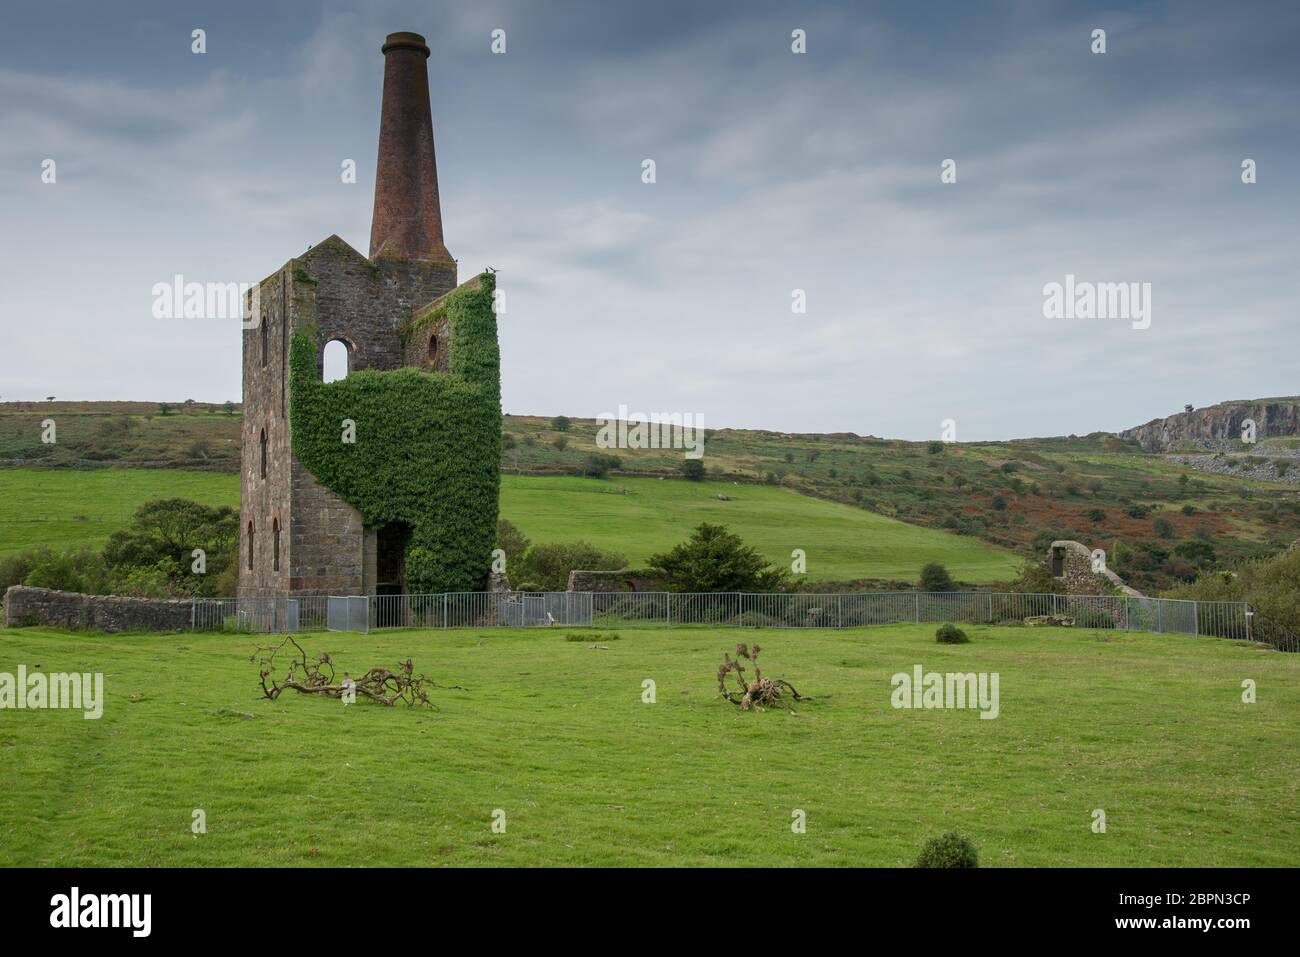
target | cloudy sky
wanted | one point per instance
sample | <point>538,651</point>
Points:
<point>775,172</point>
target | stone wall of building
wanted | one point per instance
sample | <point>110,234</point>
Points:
<point>323,547</point>
<point>624,580</point>
<point>25,606</point>
<point>1073,563</point>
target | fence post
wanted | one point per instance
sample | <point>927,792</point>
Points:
<point>990,608</point>
<point>839,610</point>
<point>669,608</point>
<point>1160,616</point>
<point>918,608</point>
<point>444,610</point>
<point>1196,618</point>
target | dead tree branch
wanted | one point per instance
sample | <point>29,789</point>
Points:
<point>317,676</point>
<point>759,692</point>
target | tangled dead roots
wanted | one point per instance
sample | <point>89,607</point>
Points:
<point>316,676</point>
<point>758,692</point>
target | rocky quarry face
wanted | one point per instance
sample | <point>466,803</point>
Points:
<point>1219,427</point>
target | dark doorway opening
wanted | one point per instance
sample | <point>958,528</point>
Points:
<point>1058,562</point>
<point>390,574</point>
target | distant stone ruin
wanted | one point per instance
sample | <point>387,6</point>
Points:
<point>1083,574</point>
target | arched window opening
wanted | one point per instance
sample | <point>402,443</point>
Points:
<point>265,325</point>
<point>336,361</point>
<point>275,544</point>
<point>433,351</point>
<point>250,546</point>
<point>263,443</point>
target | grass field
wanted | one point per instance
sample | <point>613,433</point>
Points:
<point>65,507</point>
<point>1150,729</point>
<point>641,516</point>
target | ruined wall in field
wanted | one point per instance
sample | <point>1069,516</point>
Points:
<point>25,606</point>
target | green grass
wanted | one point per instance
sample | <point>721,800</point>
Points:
<point>1151,729</point>
<point>68,508</point>
<point>649,515</point>
<point>64,507</point>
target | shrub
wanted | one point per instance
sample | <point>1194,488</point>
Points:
<point>513,542</point>
<point>713,559</point>
<point>934,577</point>
<point>999,503</point>
<point>598,465</point>
<point>79,570</point>
<point>949,849</point>
<point>549,565</point>
<point>1163,527</point>
<point>561,423</point>
<point>950,634</point>
<point>693,469</point>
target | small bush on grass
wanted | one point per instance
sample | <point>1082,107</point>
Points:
<point>950,634</point>
<point>949,849</point>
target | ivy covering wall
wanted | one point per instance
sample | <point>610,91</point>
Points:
<point>428,444</point>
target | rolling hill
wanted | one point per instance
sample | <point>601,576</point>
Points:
<point>1161,517</point>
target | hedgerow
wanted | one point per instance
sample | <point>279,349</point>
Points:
<point>428,444</point>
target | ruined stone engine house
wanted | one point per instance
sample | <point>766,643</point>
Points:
<point>306,532</point>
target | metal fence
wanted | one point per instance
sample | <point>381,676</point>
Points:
<point>1223,619</point>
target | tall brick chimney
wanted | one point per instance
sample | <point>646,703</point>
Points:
<point>408,219</point>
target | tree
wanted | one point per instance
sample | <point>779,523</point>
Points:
<point>548,566</point>
<point>715,560</point>
<point>561,442</point>
<point>561,423</point>
<point>230,407</point>
<point>693,469</point>
<point>934,577</point>
<point>1096,516</point>
<point>598,466</point>
<point>163,535</point>
<point>513,542</point>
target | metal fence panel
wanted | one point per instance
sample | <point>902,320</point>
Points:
<point>361,613</point>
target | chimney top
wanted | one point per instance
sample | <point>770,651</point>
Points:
<point>405,41</point>
<point>407,221</point>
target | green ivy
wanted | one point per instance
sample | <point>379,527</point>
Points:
<point>428,444</point>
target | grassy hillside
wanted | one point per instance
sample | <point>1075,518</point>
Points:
<point>554,734</point>
<point>640,516</point>
<point>63,507</point>
<point>1016,495</point>
<point>634,516</point>
<point>1019,495</point>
